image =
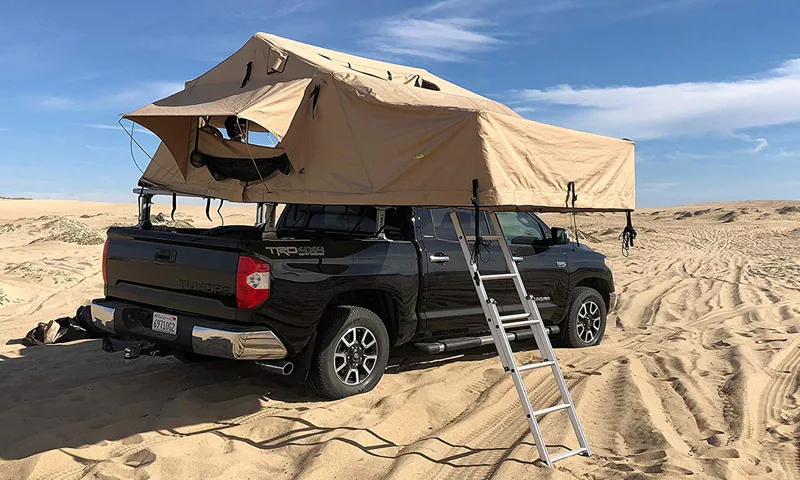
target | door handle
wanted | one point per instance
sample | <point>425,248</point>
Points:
<point>439,258</point>
<point>517,258</point>
<point>165,256</point>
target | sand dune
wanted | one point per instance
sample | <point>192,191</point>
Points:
<point>697,376</point>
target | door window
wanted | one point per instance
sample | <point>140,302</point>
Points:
<point>520,227</point>
<point>444,229</point>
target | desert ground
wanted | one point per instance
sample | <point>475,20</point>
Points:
<point>697,375</point>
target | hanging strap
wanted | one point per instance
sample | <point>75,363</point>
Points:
<point>628,235</point>
<point>221,218</point>
<point>247,74</point>
<point>208,209</point>
<point>572,196</point>
<point>174,206</point>
<point>479,242</point>
<point>314,97</point>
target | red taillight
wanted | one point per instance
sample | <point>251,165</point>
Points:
<point>252,282</point>
<point>105,263</point>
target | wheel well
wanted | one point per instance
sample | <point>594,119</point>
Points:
<point>601,286</point>
<point>382,303</point>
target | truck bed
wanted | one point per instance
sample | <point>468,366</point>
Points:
<point>191,274</point>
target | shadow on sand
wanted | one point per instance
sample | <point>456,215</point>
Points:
<point>71,395</point>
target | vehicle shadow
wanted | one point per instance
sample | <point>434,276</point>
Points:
<point>70,395</point>
<point>66,396</point>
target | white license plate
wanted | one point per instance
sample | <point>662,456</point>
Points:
<point>165,323</point>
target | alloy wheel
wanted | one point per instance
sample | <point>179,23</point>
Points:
<point>356,355</point>
<point>589,321</point>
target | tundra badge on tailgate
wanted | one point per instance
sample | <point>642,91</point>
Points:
<point>299,251</point>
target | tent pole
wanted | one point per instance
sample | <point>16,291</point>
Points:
<point>267,218</point>
<point>145,204</point>
<point>380,222</point>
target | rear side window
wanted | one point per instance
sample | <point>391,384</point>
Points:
<point>343,219</point>
<point>329,218</point>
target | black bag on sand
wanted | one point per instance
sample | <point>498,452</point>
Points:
<point>64,329</point>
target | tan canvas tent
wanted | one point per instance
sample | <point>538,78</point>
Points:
<point>358,131</point>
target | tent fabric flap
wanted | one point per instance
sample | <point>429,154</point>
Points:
<point>363,132</point>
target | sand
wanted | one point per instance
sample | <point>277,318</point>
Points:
<point>697,375</point>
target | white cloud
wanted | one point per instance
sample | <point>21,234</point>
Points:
<point>440,39</point>
<point>102,127</point>
<point>761,144</point>
<point>677,109</point>
<point>55,102</point>
<point>643,8</point>
<point>457,30</point>
<point>117,128</point>
<point>132,97</point>
<point>781,155</point>
<point>291,8</point>
<point>465,7</point>
<point>272,10</point>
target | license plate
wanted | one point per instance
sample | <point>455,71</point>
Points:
<point>165,323</point>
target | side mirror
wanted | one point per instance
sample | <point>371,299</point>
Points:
<point>560,235</point>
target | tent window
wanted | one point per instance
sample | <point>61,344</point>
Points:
<point>276,61</point>
<point>429,85</point>
<point>264,139</point>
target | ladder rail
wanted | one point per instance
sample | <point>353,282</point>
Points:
<point>483,297</point>
<point>510,263</point>
<point>499,335</point>
<point>542,340</point>
<point>566,397</point>
<point>522,392</point>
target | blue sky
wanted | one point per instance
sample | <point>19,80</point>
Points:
<point>710,90</point>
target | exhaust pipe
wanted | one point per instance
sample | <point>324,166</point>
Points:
<point>278,367</point>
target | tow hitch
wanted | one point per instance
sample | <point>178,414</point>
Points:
<point>134,349</point>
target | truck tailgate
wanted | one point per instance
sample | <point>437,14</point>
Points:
<point>180,272</point>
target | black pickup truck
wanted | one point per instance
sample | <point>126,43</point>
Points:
<point>327,294</point>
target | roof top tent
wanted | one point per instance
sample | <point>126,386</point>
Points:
<point>355,131</point>
<point>351,130</point>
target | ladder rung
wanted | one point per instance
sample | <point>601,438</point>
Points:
<point>551,409</point>
<point>536,365</point>
<point>498,276</point>
<point>515,316</point>
<point>571,453</point>
<point>523,323</point>
<point>471,238</point>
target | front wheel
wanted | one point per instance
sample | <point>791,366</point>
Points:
<point>351,354</point>
<point>586,319</point>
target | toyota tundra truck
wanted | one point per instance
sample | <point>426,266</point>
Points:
<point>328,292</point>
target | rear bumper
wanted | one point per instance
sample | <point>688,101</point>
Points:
<point>199,335</point>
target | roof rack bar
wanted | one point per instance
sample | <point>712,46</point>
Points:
<point>152,192</point>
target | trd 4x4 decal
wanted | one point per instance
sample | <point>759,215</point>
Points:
<point>299,251</point>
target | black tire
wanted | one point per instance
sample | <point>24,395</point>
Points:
<point>585,306</point>
<point>337,323</point>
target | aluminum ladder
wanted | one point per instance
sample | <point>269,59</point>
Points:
<point>498,324</point>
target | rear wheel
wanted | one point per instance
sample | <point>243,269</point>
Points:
<point>586,319</point>
<point>351,353</point>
